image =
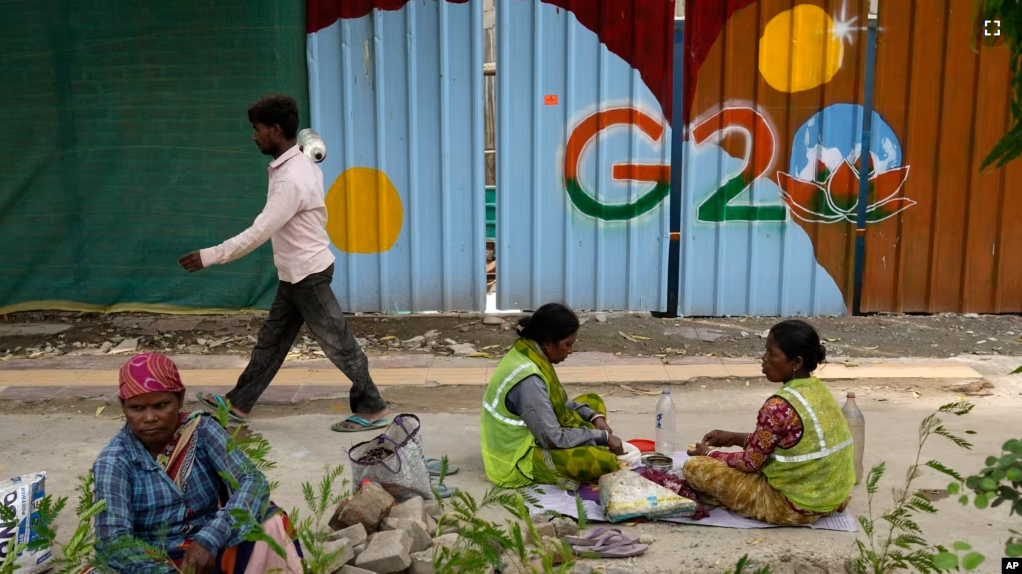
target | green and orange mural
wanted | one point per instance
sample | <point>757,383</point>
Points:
<point>773,99</point>
<point>659,175</point>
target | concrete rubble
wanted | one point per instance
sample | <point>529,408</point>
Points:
<point>343,548</point>
<point>349,569</point>
<point>355,533</point>
<point>377,536</point>
<point>422,562</point>
<point>368,507</point>
<point>544,530</point>
<point>388,552</point>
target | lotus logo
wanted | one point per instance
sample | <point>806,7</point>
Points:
<point>833,196</point>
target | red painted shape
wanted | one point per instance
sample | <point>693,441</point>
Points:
<point>641,172</point>
<point>704,20</point>
<point>640,32</point>
<point>753,129</point>
<point>321,13</point>
<point>591,126</point>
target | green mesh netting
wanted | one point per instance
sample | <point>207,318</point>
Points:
<point>128,146</point>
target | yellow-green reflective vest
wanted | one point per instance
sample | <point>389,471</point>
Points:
<point>506,442</point>
<point>818,473</point>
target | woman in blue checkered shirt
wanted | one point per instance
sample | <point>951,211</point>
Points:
<point>161,479</point>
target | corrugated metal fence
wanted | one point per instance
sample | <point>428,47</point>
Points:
<point>396,91</point>
<point>768,157</point>
<point>583,152</point>
<point>958,247</point>
<point>792,192</point>
<point>781,115</point>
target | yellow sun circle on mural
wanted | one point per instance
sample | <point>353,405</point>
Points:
<point>800,49</point>
<point>364,210</point>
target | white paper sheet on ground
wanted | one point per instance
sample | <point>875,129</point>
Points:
<point>563,502</point>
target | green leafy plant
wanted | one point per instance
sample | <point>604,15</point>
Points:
<point>312,533</point>
<point>948,560</point>
<point>901,545</point>
<point>483,544</point>
<point>743,563</point>
<point>1009,15</point>
<point>255,447</point>
<point>80,551</point>
<point>48,511</point>
<point>999,482</point>
<point>583,517</point>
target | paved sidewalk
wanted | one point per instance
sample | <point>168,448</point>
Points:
<point>308,380</point>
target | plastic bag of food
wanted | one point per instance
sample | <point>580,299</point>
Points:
<point>625,495</point>
<point>22,495</point>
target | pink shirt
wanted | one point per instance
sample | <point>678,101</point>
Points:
<point>294,219</point>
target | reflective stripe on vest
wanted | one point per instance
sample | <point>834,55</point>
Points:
<point>824,449</point>
<point>492,408</point>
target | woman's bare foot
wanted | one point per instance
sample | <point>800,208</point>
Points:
<point>371,418</point>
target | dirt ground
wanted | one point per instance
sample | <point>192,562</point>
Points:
<point>64,438</point>
<point>44,335</point>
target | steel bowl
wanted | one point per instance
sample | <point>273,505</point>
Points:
<point>659,463</point>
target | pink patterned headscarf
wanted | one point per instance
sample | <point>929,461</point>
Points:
<point>149,373</point>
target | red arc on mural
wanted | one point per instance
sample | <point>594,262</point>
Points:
<point>640,32</point>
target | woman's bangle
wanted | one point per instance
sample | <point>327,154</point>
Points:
<point>597,416</point>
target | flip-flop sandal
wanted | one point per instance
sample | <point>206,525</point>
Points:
<point>594,536</point>
<point>612,545</point>
<point>443,491</point>
<point>364,425</point>
<point>215,403</point>
<point>434,464</point>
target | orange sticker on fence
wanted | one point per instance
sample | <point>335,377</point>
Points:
<point>550,99</point>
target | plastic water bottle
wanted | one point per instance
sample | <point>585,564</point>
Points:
<point>312,145</point>
<point>857,425</point>
<point>666,429</point>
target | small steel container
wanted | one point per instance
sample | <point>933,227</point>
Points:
<point>659,462</point>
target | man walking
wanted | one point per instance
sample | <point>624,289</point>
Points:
<point>295,220</point>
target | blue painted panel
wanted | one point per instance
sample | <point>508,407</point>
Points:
<point>401,91</point>
<point>745,268</point>
<point>548,249</point>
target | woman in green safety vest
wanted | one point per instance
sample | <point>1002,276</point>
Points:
<point>530,432</point>
<point>797,466</point>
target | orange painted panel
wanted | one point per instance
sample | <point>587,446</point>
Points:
<point>956,249</point>
<point>799,66</point>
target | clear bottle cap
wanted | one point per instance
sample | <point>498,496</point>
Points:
<point>851,394</point>
<point>666,392</point>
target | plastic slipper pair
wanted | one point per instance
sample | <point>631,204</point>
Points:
<point>217,402</point>
<point>434,464</point>
<point>605,543</point>
<point>363,424</point>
